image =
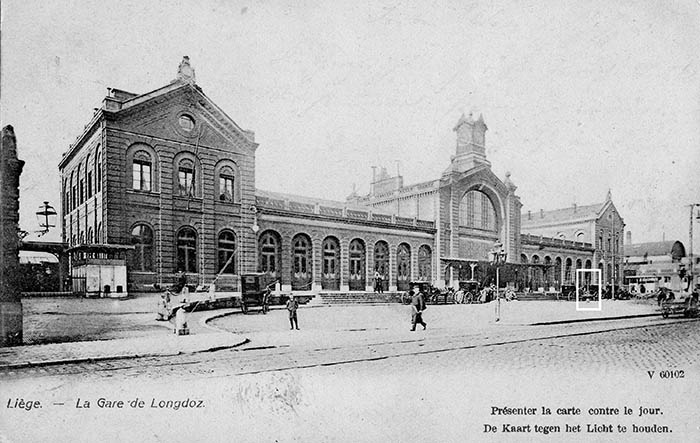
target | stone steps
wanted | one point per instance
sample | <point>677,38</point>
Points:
<point>352,298</point>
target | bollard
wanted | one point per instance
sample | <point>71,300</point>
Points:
<point>181,322</point>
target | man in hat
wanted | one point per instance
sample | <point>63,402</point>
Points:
<point>417,308</point>
<point>292,306</point>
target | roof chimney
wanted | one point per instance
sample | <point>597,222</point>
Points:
<point>574,206</point>
<point>529,215</point>
<point>628,239</point>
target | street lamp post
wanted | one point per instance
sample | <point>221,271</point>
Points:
<point>46,216</point>
<point>498,257</point>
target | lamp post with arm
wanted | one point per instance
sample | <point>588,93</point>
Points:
<point>498,257</point>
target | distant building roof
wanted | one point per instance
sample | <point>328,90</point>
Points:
<point>313,201</point>
<point>672,248</point>
<point>588,212</point>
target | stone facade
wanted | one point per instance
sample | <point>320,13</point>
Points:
<point>600,224</point>
<point>171,174</point>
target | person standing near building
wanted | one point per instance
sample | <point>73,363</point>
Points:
<point>292,306</point>
<point>417,308</point>
<point>378,286</point>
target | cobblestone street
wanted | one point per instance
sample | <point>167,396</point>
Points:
<point>379,379</point>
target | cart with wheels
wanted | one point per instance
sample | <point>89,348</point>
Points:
<point>255,293</point>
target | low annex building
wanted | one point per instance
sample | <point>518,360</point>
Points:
<point>167,179</point>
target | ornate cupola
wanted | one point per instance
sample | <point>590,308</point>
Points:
<point>471,141</point>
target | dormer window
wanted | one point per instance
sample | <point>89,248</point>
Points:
<point>186,122</point>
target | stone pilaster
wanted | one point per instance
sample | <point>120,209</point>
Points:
<point>10,299</point>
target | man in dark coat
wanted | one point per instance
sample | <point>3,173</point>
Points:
<point>292,306</point>
<point>417,307</point>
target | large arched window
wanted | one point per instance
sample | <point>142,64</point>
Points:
<point>476,211</point>
<point>142,255</point>
<point>141,171</point>
<point>74,192</point>
<point>227,252</point>
<point>187,250</point>
<point>425,263</point>
<point>269,248</point>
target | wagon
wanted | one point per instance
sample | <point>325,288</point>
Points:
<point>687,307</point>
<point>254,292</point>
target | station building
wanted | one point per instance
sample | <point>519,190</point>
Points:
<point>164,182</point>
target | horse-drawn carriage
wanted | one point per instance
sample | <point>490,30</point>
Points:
<point>687,307</point>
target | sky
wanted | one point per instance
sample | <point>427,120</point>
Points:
<point>578,97</point>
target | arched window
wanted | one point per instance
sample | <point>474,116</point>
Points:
<point>142,255</point>
<point>226,184</point>
<point>567,271</point>
<point>186,178</point>
<point>227,252</point>
<point>187,250</point>
<point>141,171</point>
<point>581,237</point>
<point>98,171</point>
<point>403,266</point>
<point>91,236</point>
<point>476,210</point>
<point>523,258</point>
<point>301,254</point>
<point>99,235</point>
<point>88,176</point>
<point>557,270</point>
<point>74,192</point>
<point>357,258</point>
<point>381,258</point>
<point>269,247</point>
<point>81,186</point>
<point>425,262</point>
<point>331,257</point>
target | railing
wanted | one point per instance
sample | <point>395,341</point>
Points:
<point>338,212</point>
<point>550,241</point>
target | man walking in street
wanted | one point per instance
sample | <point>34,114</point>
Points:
<point>417,307</point>
<point>292,306</point>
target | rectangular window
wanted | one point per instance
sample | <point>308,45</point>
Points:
<point>186,181</point>
<point>141,176</point>
<point>226,188</point>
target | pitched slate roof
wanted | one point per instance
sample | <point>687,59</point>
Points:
<point>587,212</point>
<point>652,248</point>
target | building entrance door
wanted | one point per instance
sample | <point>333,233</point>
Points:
<point>357,281</point>
<point>403,267</point>
<point>331,264</point>
<point>301,263</point>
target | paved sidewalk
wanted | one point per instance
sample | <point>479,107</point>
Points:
<point>202,338</point>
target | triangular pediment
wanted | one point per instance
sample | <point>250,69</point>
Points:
<point>161,114</point>
<point>481,174</point>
